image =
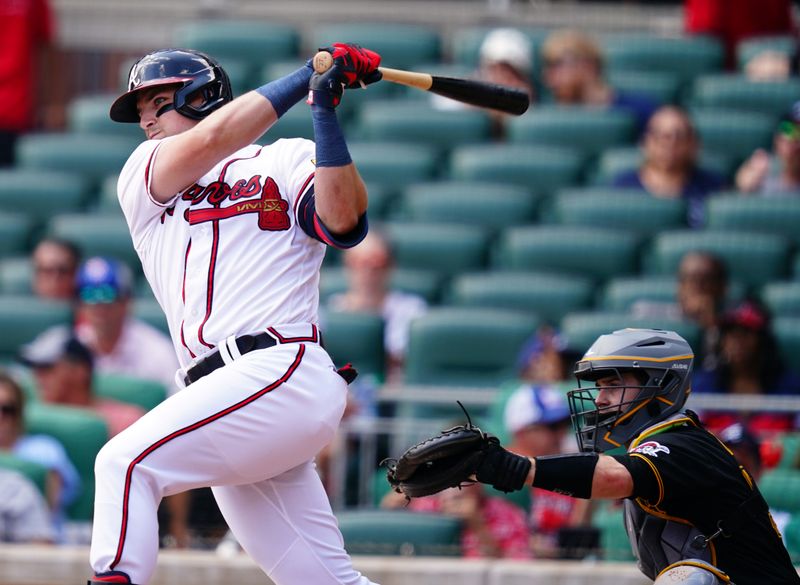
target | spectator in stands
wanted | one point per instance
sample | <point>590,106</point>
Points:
<point>573,72</point>
<point>538,419</point>
<point>24,516</point>
<point>734,20</point>
<point>493,526</point>
<point>670,169</point>
<point>63,368</point>
<point>504,58</point>
<point>701,291</point>
<point>55,263</point>
<point>759,175</point>
<point>748,363</point>
<point>63,481</point>
<point>748,452</point>
<point>121,344</point>
<point>545,358</point>
<point>27,30</point>
<point>369,267</point>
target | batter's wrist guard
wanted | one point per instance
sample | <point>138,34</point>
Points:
<point>503,470</point>
<point>285,92</point>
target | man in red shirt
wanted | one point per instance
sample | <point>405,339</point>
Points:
<point>26,26</point>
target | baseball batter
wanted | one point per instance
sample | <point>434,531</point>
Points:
<point>231,236</point>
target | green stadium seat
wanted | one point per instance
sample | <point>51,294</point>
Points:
<point>549,296</point>
<point>103,235</point>
<point>787,333</point>
<point>616,161</point>
<point>401,46</point>
<point>746,49</point>
<point>36,473</point>
<point>781,489</point>
<point>543,168</point>
<point>16,276</point>
<point>295,123</point>
<point>587,129</point>
<point>490,205</point>
<point>790,454</point>
<point>90,115</point>
<point>355,337</point>
<point>466,346</point>
<point>619,208</point>
<point>394,164</point>
<point>16,233</point>
<point>584,251</point>
<point>107,201</point>
<point>417,123</point>
<point>92,156</point>
<point>145,393</point>
<point>620,294</point>
<point>399,533</point>
<point>733,134</point>
<point>616,546</point>
<point>447,248</point>
<point>686,57</point>
<point>736,92</point>
<point>40,194</point>
<point>23,317</point>
<point>774,215</point>
<point>249,42</point>
<point>425,283</point>
<point>791,538</point>
<point>660,87</point>
<point>782,298</point>
<point>148,310</point>
<point>82,433</point>
<point>582,329</point>
<point>751,257</point>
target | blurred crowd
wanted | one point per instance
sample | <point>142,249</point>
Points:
<point>737,353</point>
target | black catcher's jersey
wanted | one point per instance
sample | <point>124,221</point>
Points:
<point>683,473</point>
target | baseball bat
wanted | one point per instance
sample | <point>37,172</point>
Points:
<point>468,91</point>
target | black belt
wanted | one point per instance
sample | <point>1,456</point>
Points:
<point>213,361</point>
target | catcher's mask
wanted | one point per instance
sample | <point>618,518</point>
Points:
<point>197,74</point>
<point>661,362</point>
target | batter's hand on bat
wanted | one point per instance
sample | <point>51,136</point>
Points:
<point>359,65</point>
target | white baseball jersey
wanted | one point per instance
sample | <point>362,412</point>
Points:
<point>200,251</point>
<point>236,253</point>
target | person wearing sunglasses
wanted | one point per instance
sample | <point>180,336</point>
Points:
<point>63,482</point>
<point>761,174</point>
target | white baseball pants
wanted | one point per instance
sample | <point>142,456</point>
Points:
<point>250,430</point>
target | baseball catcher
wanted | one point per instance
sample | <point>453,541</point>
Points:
<point>692,513</point>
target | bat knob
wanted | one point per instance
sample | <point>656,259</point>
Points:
<point>322,61</point>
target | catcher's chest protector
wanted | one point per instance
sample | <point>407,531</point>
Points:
<point>658,543</point>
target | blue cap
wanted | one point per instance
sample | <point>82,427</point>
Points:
<point>103,280</point>
<point>532,405</point>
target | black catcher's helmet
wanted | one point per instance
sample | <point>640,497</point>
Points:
<point>661,360</point>
<point>199,74</point>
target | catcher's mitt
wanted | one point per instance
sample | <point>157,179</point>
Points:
<point>455,457</point>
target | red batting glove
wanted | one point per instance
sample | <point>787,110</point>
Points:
<point>357,64</point>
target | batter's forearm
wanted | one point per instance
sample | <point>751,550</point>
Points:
<point>340,196</point>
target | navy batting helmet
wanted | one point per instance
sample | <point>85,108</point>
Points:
<point>660,360</point>
<point>197,73</point>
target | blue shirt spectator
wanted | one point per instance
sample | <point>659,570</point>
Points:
<point>669,169</point>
